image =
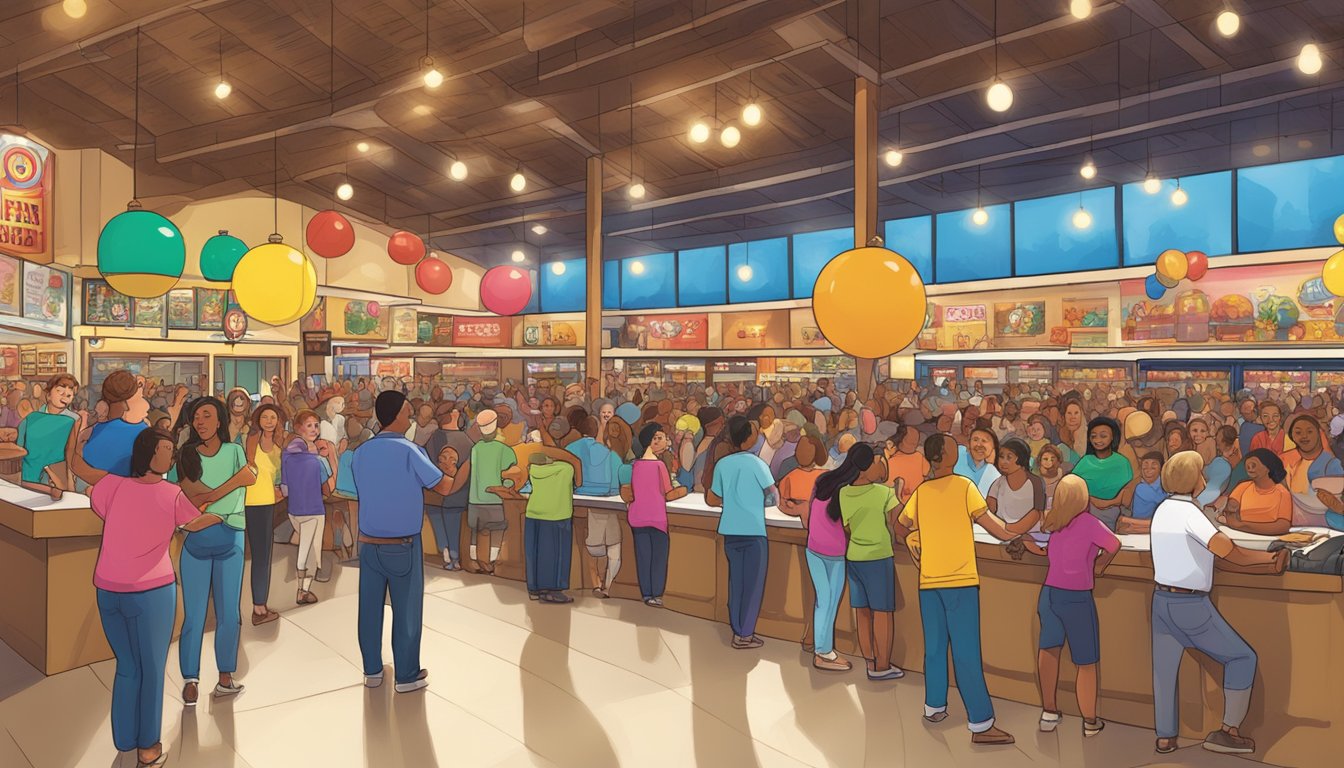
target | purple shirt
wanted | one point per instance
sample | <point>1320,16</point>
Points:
<point>1073,551</point>
<point>825,537</point>
<point>650,483</point>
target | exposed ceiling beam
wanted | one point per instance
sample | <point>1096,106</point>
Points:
<point>1162,21</point>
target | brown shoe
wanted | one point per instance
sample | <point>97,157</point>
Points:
<point>838,664</point>
<point>309,598</point>
<point>744,643</point>
<point>994,736</point>
<point>264,618</point>
<point>191,692</point>
<point>1225,743</point>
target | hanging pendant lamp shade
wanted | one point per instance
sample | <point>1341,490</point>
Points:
<point>141,253</point>
<point>274,283</point>
<point>220,256</point>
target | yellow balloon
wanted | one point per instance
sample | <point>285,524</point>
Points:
<point>869,302</point>
<point>1339,230</point>
<point>275,284</point>
<point>1172,264</point>
<point>1332,274</point>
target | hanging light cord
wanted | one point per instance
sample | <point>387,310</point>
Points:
<point>135,143</point>
<point>427,2</point>
<point>275,178</point>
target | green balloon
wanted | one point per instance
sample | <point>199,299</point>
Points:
<point>220,256</point>
<point>141,246</point>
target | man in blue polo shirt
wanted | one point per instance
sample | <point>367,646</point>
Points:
<point>391,474</point>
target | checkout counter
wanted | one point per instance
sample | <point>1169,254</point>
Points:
<point>1294,621</point>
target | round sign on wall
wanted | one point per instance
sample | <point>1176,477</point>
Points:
<point>235,324</point>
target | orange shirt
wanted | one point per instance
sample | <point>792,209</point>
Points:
<point>1278,442</point>
<point>799,483</point>
<point>1259,506</point>
<point>910,467</point>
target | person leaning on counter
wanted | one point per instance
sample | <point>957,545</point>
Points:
<point>742,486</point>
<point>48,435</point>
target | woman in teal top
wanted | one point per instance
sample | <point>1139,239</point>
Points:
<point>48,435</point>
<point>215,473</point>
<point>1105,471</point>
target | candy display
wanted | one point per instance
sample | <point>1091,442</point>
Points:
<point>1192,317</point>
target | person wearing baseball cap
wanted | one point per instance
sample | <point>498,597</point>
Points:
<point>491,482</point>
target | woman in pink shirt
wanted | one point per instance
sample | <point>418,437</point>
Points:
<point>646,498</point>
<point>1080,547</point>
<point>137,590</point>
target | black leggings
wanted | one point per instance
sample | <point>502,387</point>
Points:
<point>260,538</point>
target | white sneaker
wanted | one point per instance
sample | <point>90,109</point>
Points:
<point>1050,721</point>
<point>421,681</point>
<point>373,681</point>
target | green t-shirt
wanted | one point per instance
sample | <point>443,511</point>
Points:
<point>44,435</point>
<point>489,459</point>
<point>863,509</point>
<point>552,491</point>
<point>215,471</point>
<point>1105,477</point>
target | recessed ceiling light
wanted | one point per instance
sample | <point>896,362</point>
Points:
<point>362,146</point>
<point>539,229</point>
<point>1304,144</point>
<point>1261,150</point>
<point>420,109</point>
<point>517,256</point>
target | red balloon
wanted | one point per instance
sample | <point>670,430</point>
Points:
<point>1199,264</point>
<point>433,276</point>
<point>330,235</point>
<point>405,248</point>
<point>506,290</point>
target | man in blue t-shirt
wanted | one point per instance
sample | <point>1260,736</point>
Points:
<point>391,473</point>
<point>741,484</point>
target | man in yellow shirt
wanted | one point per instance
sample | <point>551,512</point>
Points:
<point>939,516</point>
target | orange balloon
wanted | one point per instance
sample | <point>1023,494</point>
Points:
<point>1173,264</point>
<point>869,302</point>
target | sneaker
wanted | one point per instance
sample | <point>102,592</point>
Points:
<point>421,681</point>
<point>745,643</point>
<point>533,595</point>
<point>1094,727</point>
<point>559,598</point>
<point>232,689</point>
<point>1225,743</point>
<point>993,737</point>
<point>936,717</point>
<point>654,602</point>
<point>890,673</point>
<point>373,681</point>
<point>190,692</point>
<point>600,592</point>
<point>838,664</point>
<point>1050,721</point>
<point>264,618</point>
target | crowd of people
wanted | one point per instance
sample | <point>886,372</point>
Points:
<point>1057,471</point>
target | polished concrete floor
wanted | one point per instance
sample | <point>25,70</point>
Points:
<point>515,683</point>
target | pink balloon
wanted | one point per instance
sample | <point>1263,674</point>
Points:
<point>373,308</point>
<point>506,290</point>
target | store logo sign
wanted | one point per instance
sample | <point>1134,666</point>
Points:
<point>25,197</point>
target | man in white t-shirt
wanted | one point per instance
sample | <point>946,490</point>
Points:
<point>1184,544</point>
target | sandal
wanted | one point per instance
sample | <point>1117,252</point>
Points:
<point>1094,727</point>
<point>1050,721</point>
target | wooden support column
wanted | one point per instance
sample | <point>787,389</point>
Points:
<point>865,195</point>
<point>592,336</point>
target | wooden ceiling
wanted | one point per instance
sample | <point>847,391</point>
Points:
<point>543,85</point>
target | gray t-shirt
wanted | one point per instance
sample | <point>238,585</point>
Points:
<point>1013,505</point>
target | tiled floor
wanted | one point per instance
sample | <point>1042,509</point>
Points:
<point>515,683</point>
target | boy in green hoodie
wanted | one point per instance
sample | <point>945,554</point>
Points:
<point>548,528</point>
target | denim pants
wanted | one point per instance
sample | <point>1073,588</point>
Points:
<point>951,620</point>
<point>139,627</point>
<point>748,558</point>
<point>260,539</point>
<point>447,525</point>
<point>828,582</point>
<point>1183,621</point>
<point>651,550</point>
<point>549,547</point>
<point>212,571</point>
<point>395,571</point>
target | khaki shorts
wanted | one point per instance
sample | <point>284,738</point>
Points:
<point>604,530</point>
<point>486,517</point>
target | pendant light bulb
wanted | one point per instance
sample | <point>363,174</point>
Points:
<point>75,9</point>
<point>518,256</point>
<point>894,157</point>
<point>1228,23</point>
<point>1179,197</point>
<point>752,114</point>
<point>1152,185</point>
<point>345,191</point>
<point>223,89</point>
<point>518,182</point>
<point>1080,9</point>
<point>1081,218</point>
<point>539,229</point>
<point>1089,170</point>
<point>730,136</point>
<point>699,132</point>
<point>636,190</point>
<point>744,273</point>
<point>558,268</point>
<point>999,96</point>
<point>458,170</point>
<point>432,77</point>
<point>980,217</point>
<point>636,267</point>
<point>1309,60</point>
<point>362,146</point>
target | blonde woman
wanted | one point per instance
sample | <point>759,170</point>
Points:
<point>1079,549</point>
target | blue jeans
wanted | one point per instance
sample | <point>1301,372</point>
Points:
<point>1191,621</point>
<point>748,558</point>
<point>139,627</point>
<point>549,548</point>
<point>952,621</point>
<point>212,570</point>
<point>828,582</point>
<point>447,525</point>
<point>392,570</point>
<point>651,550</point>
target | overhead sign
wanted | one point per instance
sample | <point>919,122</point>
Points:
<point>317,343</point>
<point>482,331</point>
<point>25,198</point>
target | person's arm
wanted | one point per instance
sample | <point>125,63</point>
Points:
<point>179,399</point>
<point>244,477</point>
<point>1109,544</point>
<point>1223,547</point>
<point>202,521</point>
<point>250,448</point>
<point>1127,524</point>
<point>81,468</point>
<point>994,525</point>
<point>1027,522</point>
<point>1274,528</point>
<point>628,493</point>
<point>712,493</point>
